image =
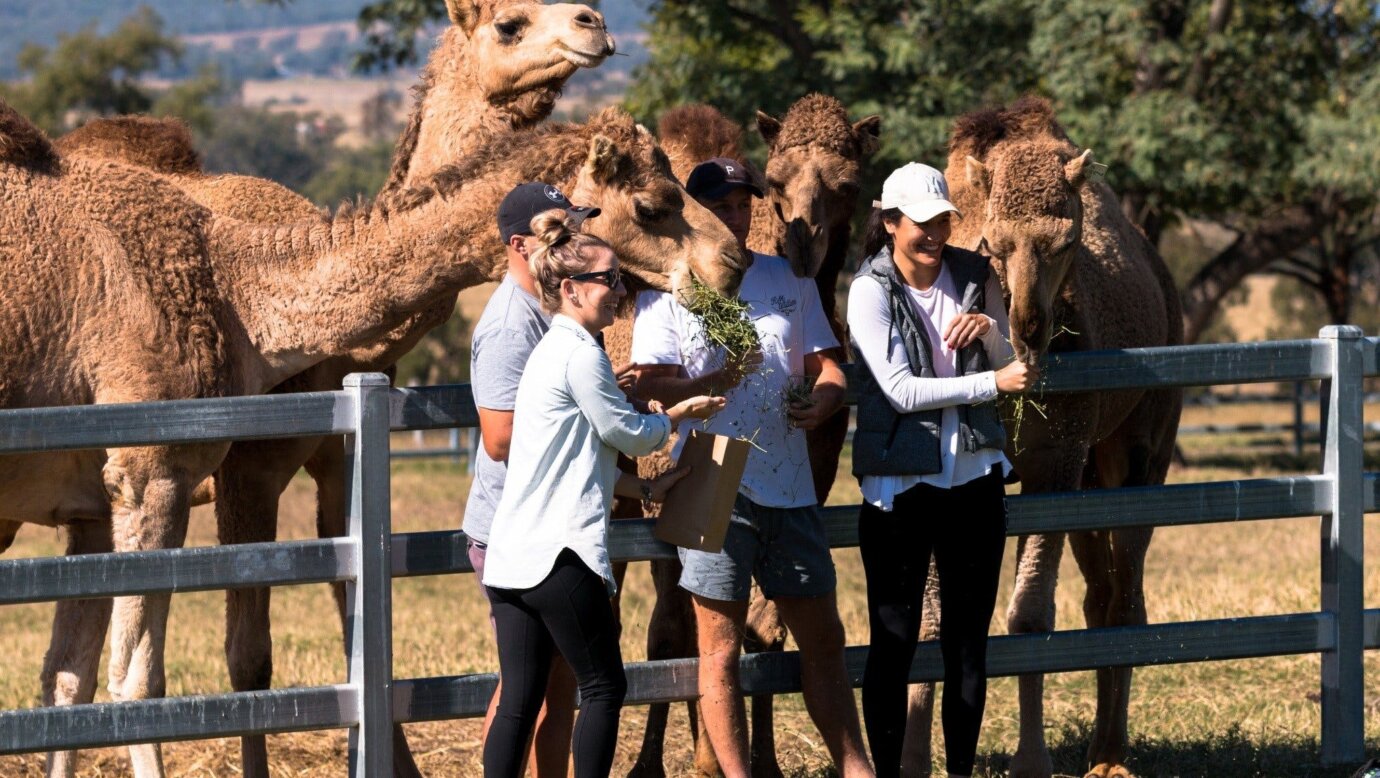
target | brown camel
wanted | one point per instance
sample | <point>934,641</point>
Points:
<point>1078,276</point>
<point>497,69</point>
<point>812,183</point>
<point>201,305</point>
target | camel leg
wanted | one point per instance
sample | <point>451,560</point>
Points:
<point>1032,610</point>
<point>916,754</point>
<point>670,635</point>
<point>1113,564</point>
<point>79,626</point>
<point>765,632</point>
<point>327,468</point>
<point>8,530</point>
<point>151,490</point>
<point>248,485</point>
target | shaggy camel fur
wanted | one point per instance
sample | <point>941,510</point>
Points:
<point>811,183</point>
<point>1078,276</point>
<point>497,69</point>
<point>203,305</point>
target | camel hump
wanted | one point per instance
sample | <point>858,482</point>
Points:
<point>163,145</point>
<point>977,132</point>
<point>702,130</point>
<point>22,143</point>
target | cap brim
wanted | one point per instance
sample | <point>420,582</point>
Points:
<point>714,193</point>
<point>924,211</point>
<point>578,215</point>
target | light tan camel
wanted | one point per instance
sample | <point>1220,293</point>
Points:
<point>1078,276</point>
<point>812,183</point>
<point>498,68</point>
<point>201,305</point>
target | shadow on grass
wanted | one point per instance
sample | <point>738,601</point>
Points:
<point>1230,754</point>
<point>1281,461</point>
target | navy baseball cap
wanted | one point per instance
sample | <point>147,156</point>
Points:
<point>714,178</point>
<point>518,208</point>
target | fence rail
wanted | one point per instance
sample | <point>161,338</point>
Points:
<point>372,700</point>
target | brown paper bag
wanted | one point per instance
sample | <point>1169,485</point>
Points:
<point>696,511</point>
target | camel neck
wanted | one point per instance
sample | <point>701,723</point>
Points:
<point>312,290</point>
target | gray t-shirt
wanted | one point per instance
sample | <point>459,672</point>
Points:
<point>504,336</point>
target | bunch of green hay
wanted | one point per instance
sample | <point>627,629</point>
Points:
<point>723,320</point>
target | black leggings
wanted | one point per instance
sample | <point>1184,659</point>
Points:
<point>965,527</point>
<point>569,612</point>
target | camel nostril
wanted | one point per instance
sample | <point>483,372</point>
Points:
<point>589,19</point>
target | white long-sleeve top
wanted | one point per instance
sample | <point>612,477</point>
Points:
<point>569,421</point>
<point>879,345</point>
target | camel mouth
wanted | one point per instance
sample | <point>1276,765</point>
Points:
<point>587,59</point>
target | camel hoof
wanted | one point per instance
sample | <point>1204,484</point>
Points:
<point>647,770</point>
<point>1031,763</point>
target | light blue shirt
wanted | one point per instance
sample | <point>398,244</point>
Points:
<point>569,423</point>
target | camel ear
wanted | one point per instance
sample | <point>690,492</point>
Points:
<point>978,176</point>
<point>1079,168</point>
<point>463,14</point>
<point>602,161</point>
<point>769,126</point>
<point>868,131</point>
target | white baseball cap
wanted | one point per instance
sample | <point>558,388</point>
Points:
<point>919,191</point>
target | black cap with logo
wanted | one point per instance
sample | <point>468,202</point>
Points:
<point>714,178</point>
<point>518,208</point>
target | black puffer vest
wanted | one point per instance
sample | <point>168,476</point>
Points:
<point>888,442</point>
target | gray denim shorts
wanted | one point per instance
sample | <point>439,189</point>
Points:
<point>784,548</point>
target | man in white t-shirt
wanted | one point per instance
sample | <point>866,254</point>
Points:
<point>776,534</point>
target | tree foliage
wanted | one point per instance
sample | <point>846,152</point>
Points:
<point>88,74</point>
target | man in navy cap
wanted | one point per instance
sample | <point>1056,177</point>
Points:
<point>775,534</point>
<point>504,336</point>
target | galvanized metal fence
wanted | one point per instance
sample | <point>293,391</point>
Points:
<point>372,700</point>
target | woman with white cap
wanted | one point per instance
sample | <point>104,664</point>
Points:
<point>928,324</point>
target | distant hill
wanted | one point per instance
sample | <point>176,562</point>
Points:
<point>23,21</point>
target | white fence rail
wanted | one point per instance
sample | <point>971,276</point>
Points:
<point>372,700</point>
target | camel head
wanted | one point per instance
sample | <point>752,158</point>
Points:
<point>1032,228</point>
<point>813,176</point>
<point>511,48</point>
<point>661,234</point>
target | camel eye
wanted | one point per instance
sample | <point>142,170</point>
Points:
<point>508,29</point>
<point>649,213</point>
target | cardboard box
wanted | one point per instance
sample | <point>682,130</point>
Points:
<point>697,509</point>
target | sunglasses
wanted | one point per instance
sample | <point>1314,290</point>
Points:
<point>609,278</point>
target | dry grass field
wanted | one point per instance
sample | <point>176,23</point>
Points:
<point>1246,718</point>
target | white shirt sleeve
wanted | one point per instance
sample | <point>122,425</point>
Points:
<point>656,334</point>
<point>818,335</point>
<point>879,345</point>
<point>590,378</point>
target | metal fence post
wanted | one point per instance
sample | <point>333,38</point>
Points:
<point>369,598</point>
<point>1343,703</point>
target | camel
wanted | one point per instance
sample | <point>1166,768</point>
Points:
<point>1078,276</point>
<point>202,305</point>
<point>498,68</point>
<point>811,183</point>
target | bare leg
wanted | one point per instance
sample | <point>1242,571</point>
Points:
<point>720,626</point>
<point>79,626</point>
<point>765,632</point>
<point>824,679</point>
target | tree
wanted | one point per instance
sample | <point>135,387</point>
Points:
<point>87,74</point>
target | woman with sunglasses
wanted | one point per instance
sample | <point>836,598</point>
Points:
<point>547,570</point>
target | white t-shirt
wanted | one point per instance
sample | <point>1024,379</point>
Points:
<point>791,323</point>
<point>879,345</point>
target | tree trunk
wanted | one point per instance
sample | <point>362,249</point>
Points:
<point>1279,236</point>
